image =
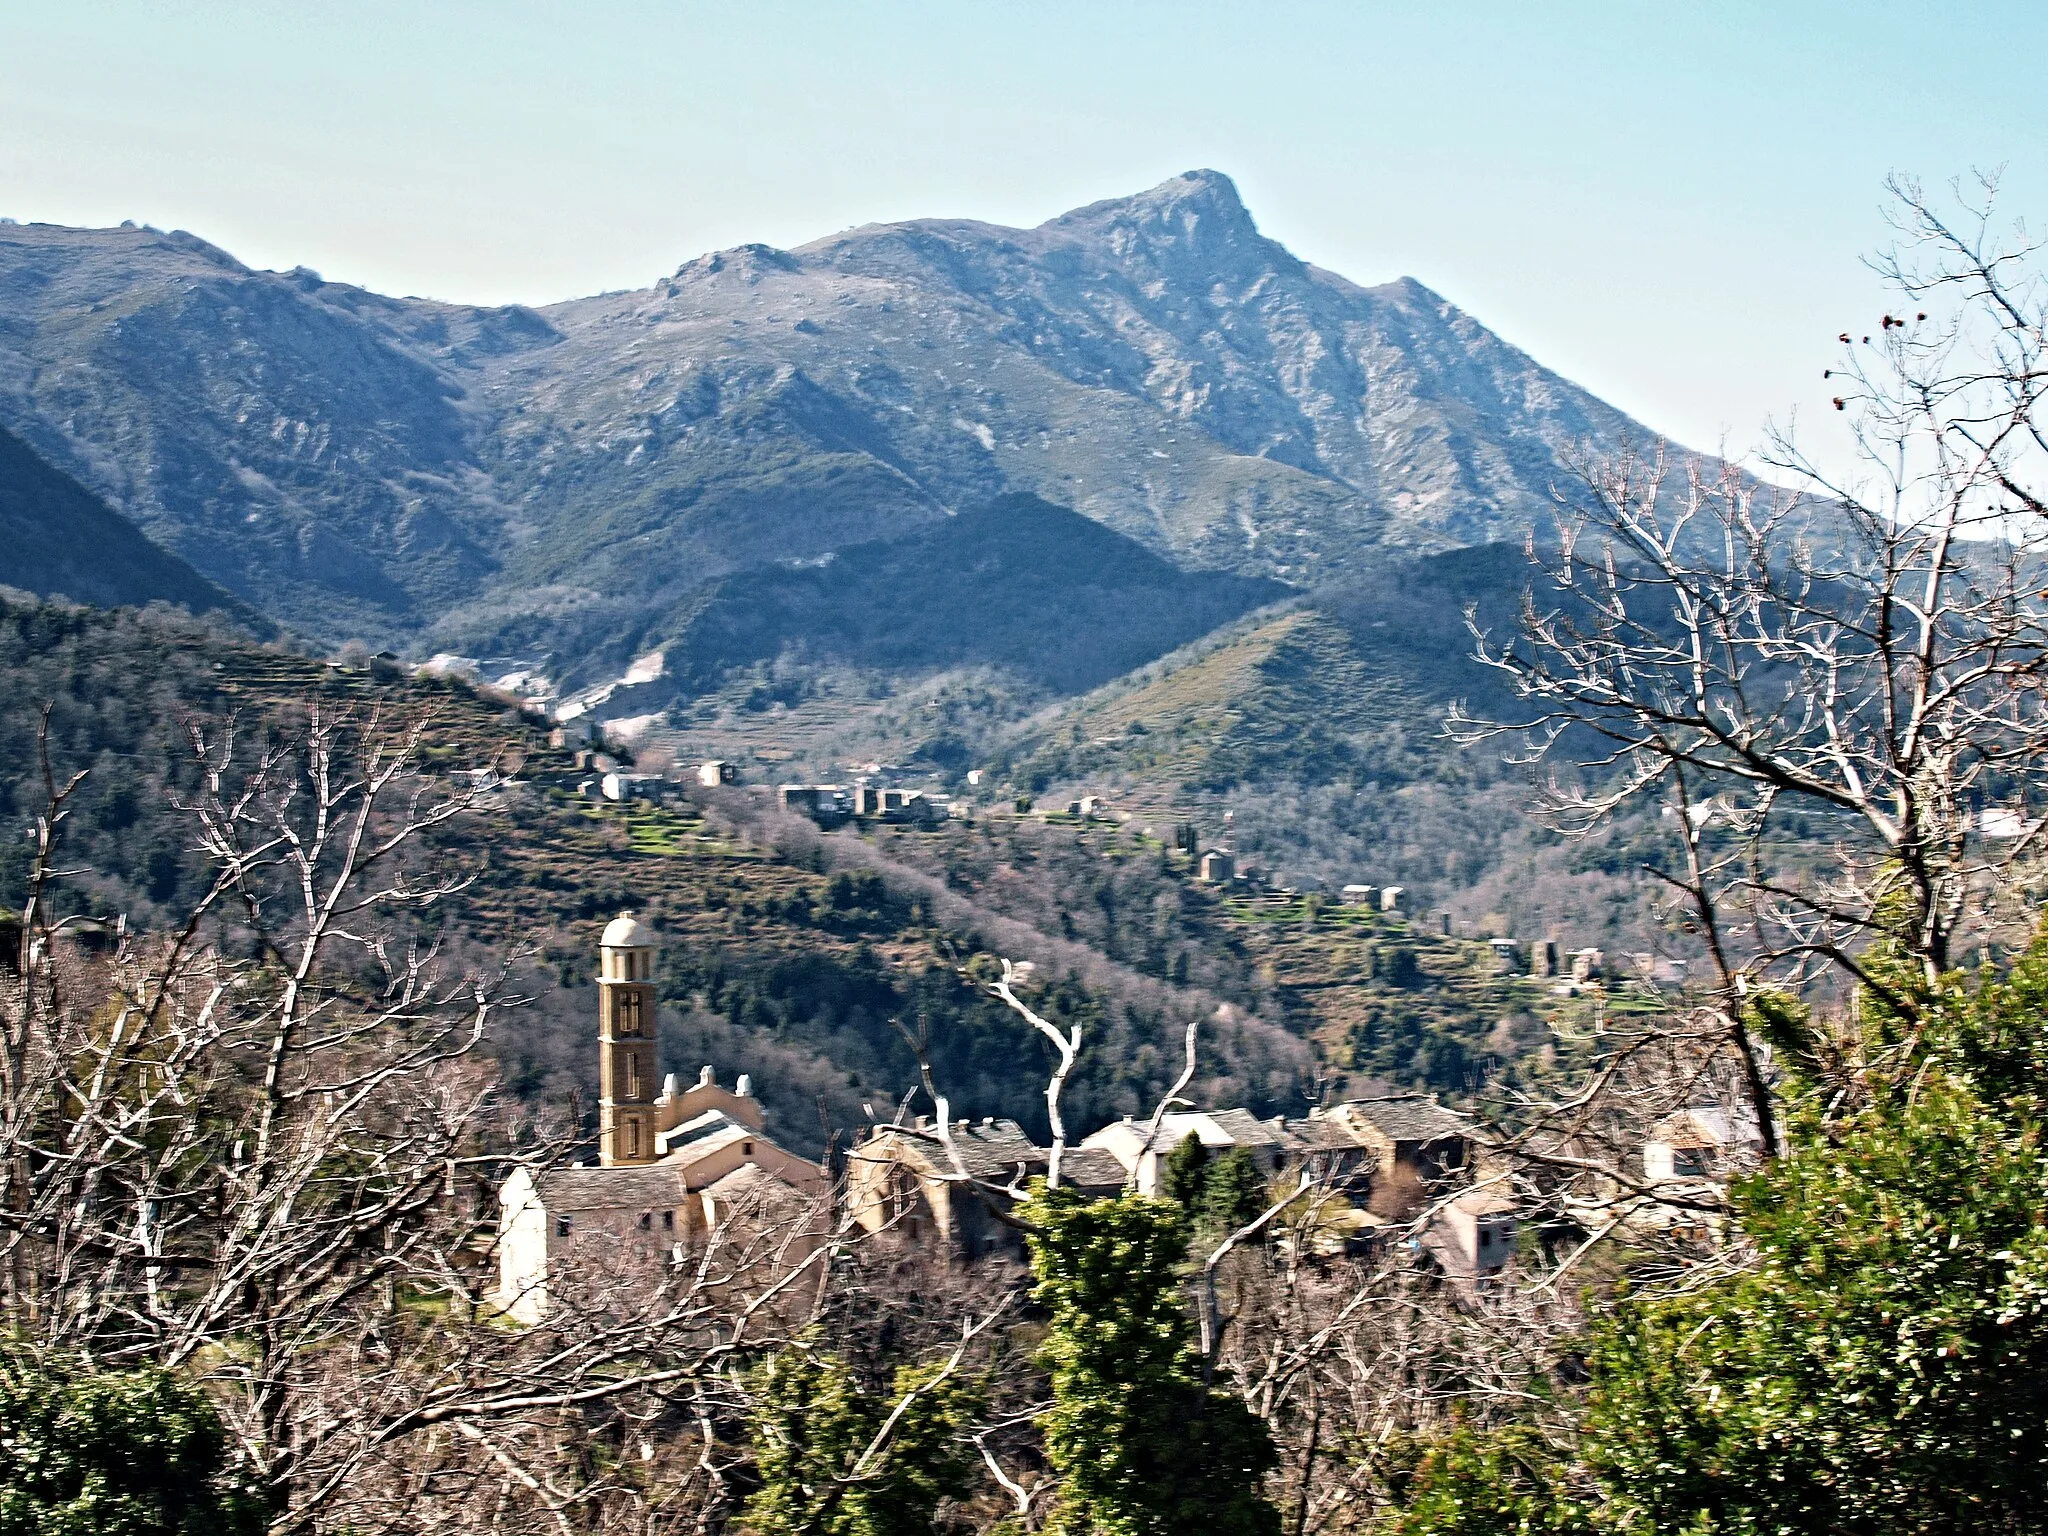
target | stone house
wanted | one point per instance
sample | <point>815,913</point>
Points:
<point>1702,1145</point>
<point>1411,1148</point>
<point>901,1181</point>
<point>1219,1130</point>
<point>1473,1237</point>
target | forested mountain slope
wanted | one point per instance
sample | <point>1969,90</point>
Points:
<point>778,961</point>
<point>58,539</point>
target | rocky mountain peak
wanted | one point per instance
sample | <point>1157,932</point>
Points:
<point>1194,220</point>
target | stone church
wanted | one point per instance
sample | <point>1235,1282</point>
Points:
<point>673,1165</point>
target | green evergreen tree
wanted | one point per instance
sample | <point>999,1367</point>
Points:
<point>812,1426</point>
<point>1142,1446</point>
<point>113,1453</point>
<point>1233,1193</point>
<point>1187,1167</point>
<point>1883,1366</point>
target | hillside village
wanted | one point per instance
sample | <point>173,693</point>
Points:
<point>677,1168</point>
<point>1023,864</point>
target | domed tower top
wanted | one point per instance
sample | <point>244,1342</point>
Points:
<point>627,932</point>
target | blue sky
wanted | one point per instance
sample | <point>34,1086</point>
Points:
<point>1667,203</point>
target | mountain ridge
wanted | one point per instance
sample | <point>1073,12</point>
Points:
<point>562,479</point>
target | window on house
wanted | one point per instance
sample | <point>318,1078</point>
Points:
<point>746,1149</point>
<point>632,1076</point>
<point>632,1138</point>
<point>647,1221</point>
<point>561,1226</point>
<point>668,1221</point>
<point>627,1007</point>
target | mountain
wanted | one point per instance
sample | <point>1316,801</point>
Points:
<point>1058,601</point>
<point>570,479</point>
<point>1348,684</point>
<point>61,540</point>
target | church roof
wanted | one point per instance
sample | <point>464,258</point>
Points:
<point>627,932</point>
<point>649,1187</point>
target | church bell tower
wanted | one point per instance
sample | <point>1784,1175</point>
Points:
<point>625,1043</point>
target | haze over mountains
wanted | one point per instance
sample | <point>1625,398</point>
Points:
<point>572,480</point>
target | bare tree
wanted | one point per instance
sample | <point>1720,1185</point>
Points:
<point>265,1147</point>
<point>1866,652</point>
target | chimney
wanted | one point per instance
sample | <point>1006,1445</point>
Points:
<point>707,1078</point>
<point>744,1088</point>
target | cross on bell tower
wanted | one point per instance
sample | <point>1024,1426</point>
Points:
<point>625,1043</point>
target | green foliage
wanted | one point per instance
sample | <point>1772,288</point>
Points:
<point>1233,1193</point>
<point>1187,1167</point>
<point>106,1453</point>
<point>1143,1448</point>
<point>813,1430</point>
<point>1509,1482</point>
<point>1883,1365</point>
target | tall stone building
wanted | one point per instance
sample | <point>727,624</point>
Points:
<point>674,1166</point>
<point>626,1057</point>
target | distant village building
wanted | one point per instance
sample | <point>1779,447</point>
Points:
<point>1221,1130</point>
<point>826,804</point>
<point>901,1181</point>
<point>570,734</point>
<point>1390,898</point>
<point>672,1166</point>
<point>911,807</point>
<point>1588,965</point>
<point>1543,958</point>
<point>717,771</point>
<point>622,787</point>
<point>1359,895</point>
<point>1216,868</point>
<point>1507,955</point>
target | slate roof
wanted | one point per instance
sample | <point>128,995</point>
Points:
<point>1093,1168</point>
<point>1246,1129</point>
<point>655,1186</point>
<point>1318,1134</point>
<point>1412,1117</point>
<point>995,1150</point>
